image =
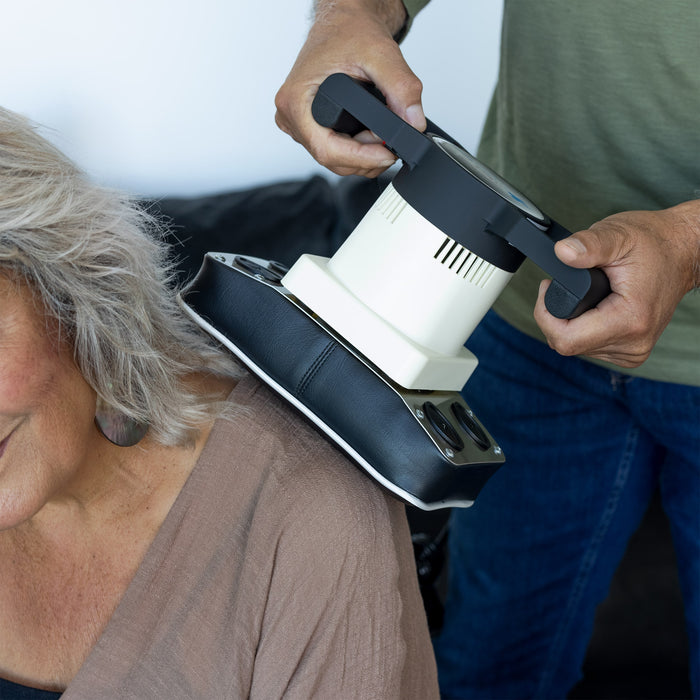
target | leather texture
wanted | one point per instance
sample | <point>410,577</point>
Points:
<point>339,389</point>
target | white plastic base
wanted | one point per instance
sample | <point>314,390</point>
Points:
<point>403,293</point>
<point>406,362</point>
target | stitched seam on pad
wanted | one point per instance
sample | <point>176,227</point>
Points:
<point>588,561</point>
<point>314,368</point>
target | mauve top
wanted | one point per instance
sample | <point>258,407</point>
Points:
<point>280,571</point>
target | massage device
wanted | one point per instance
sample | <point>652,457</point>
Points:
<point>369,344</point>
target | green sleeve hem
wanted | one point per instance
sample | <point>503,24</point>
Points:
<point>413,7</point>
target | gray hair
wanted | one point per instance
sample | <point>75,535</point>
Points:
<point>101,267</point>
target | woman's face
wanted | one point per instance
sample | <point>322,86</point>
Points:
<point>46,411</point>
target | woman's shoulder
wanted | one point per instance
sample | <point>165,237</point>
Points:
<point>302,503</point>
<point>327,555</point>
<point>296,463</point>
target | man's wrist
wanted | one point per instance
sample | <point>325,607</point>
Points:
<point>689,214</point>
<point>391,13</point>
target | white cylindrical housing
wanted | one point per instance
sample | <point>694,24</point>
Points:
<point>416,278</point>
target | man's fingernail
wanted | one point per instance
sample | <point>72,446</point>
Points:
<point>415,116</point>
<point>575,244</point>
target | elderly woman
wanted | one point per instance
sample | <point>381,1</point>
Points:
<point>168,528</point>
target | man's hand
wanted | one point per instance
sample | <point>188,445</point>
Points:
<point>353,37</point>
<point>652,259</point>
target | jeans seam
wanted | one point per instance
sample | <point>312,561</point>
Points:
<point>587,563</point>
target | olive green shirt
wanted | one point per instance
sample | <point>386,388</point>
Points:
<point>596,111</point>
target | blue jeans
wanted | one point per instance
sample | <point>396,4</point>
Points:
<point>530,561</point>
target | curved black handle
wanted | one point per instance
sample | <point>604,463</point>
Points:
<point>563,303</point>
<point>329,105</point>
<point>338,101</point>
<point>573,290</point>
<point>348,105</point>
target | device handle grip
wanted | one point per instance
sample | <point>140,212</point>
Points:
<point>349,106</point>
<point>573,290</point>
<point>327,112</point>
<point>329,105</point>
<point>563,303</point>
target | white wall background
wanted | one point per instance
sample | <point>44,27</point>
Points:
<point>176,97</point>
